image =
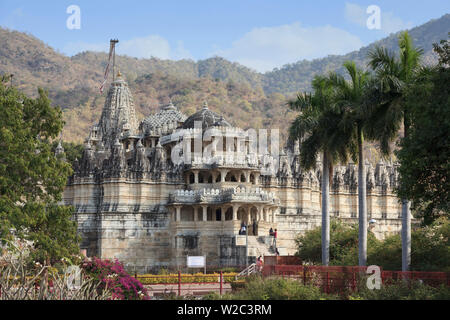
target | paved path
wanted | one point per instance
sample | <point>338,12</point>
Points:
<point>191,289</point>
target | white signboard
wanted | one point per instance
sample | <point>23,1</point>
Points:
<point>241,240</point>
<point>196,261</point>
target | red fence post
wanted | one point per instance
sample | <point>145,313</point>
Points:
<point>328,288</point>
<point>221,282</point>
<point>179,283</point>
<point>353,280</point>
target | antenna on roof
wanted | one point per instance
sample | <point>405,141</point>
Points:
<point>112,54</point>
<point>113,43</point>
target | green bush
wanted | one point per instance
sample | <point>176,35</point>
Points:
<point>343,244</point>
<point>430,249</point>
<point>257,288</point>
<point>402,290</point>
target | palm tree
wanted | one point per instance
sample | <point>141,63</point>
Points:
<point>317,129</point>
<point>351,98</point>
<point>394,76</point>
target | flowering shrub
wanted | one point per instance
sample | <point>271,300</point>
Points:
<point>186,278</point>
<point>114,277</point>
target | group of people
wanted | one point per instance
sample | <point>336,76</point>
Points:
<point>244,229</point>
<point>273,233</point>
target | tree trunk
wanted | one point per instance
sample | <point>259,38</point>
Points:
<point>362,205</point>
<point>406,220</point>
<point>406,235</point>
<point>325,211</point>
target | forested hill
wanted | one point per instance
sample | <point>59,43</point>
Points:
<point>244,96</point>
<point>292,77</point>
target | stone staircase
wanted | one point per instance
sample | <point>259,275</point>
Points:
<point>260,246</point>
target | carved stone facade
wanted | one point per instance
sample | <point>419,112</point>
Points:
<point>152,193</point>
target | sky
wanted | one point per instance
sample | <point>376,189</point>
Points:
<point>260,34</point>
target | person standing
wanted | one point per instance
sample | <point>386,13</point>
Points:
<point>255,228</point>
<point>275,234</point>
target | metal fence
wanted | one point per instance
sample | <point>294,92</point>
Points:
<point>187,284</point>
<point>336,279</point>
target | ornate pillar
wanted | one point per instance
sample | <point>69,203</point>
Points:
<point>178,213</point>
<point>222,213</point>
<point>223,174</point>
<point>214,176</point>
<point>257,178</point>
<point>195,176</point>
<point>205,214</point>
<point>259,215</point>
<point>235,211</point>
<point>247,176</point>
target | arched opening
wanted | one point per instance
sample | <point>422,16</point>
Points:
<point>191,178</point>
<point>219,177</point>
<point>210,179</point>
<point>253,227</point>
<point>201,177</point>
<point>218,214</point>
<point>229,214</point>
<point>243,178</point>
<point>209,214</point>
<point>169,154</point>
<point>252,178</point>
<point>242,215</point>
<point>199,214</point>
<point>187,214</point>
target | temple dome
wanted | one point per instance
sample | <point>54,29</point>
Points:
<point>167,115</point>
<point>208,119</point>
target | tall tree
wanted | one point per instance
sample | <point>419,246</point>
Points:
<point>351,97</point>
<point>32,178</point>
<point>317,128</point>
<point>423,156</point>
<point>395,76</point>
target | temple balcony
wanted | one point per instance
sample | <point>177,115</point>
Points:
<point>223,196</point>
<point>228,217</point>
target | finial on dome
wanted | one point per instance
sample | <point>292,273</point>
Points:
<point>59,148</point>
<point>119,75</point>
<point>205,105</point>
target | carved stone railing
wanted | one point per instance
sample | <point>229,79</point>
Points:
<point>252,195</point>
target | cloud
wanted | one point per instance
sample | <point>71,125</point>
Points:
<point>143,47</point>
<point>268,47</point>
<point>14,19</point>
<point>355,14</point>
<point>146,47</point>
<point>389,22</point>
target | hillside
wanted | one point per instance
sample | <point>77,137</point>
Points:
<point>246,97</point>
<point>297,76</point>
